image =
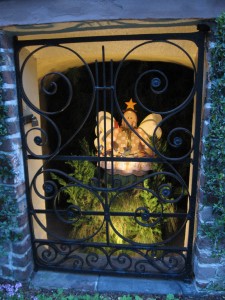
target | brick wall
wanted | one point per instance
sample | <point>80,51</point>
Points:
<point>209,270</point>
<point>17,263</point>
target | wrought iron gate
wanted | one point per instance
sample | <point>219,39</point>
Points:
<point>112,164</point>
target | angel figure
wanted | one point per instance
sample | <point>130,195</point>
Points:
<point>124,141</point>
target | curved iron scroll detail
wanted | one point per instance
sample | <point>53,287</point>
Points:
<point>90,221</point>
<point>119,260</point>
<point>157,82</point>
<point>36,138</point>
<point>49,86</point>
<point>93,213</point>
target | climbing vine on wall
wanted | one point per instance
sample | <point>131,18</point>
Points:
<point>215,141</point>
<point>8,208</point>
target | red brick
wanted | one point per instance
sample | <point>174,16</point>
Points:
<point>12,111</point>
<point>204,272</point>
<point>22,205</point>
<point>201,284</point>
<point>24,274</point>
<point>8,144</point>
<point>23,246</point>
<point>221,271</point>
<point>22,261</point>
<point>7,272</point>
<point>205,257</point>
<point>203,242</point>
<point>23,231</point>
<point>8,77</point>
<point>20,190</point>
<point>12,127</point>
<point>12,190</point>
<point>202,179</point>
<point>22,219</point>
<point>4,259</point>
<point>8,94</point>
<point>205,214</point>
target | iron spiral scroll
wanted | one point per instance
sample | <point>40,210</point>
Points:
<point>137,262</point>
<point>92,237</point>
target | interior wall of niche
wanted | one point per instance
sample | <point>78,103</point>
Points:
<point>55,59</point>
<point>31,89</point>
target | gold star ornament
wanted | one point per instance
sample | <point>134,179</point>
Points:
<point>130,104</point>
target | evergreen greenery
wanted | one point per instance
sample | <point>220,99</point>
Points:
<point>215,142</point>
<point>127,201</point>
<point>8,208</point>
<point>3,113</point>
<point>8,221</point>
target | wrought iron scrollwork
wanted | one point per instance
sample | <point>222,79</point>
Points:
<point>84,219</point>
<point>108,260</point>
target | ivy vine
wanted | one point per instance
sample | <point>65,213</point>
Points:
<point>3,112</point>
<point>8,207</point>
<point>215,142</point>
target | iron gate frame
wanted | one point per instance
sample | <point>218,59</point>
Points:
<point>198,38</point>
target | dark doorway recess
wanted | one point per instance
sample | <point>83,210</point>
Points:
<point>115,190</point>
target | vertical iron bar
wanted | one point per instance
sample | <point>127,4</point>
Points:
<point>97,110</point>
<point>105,154</point>
<point>102,96</point>
<point>104,105</point>
<point>112,125</point>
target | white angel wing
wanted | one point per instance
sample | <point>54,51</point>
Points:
<point>149,124</point>
<point>106,123</point>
